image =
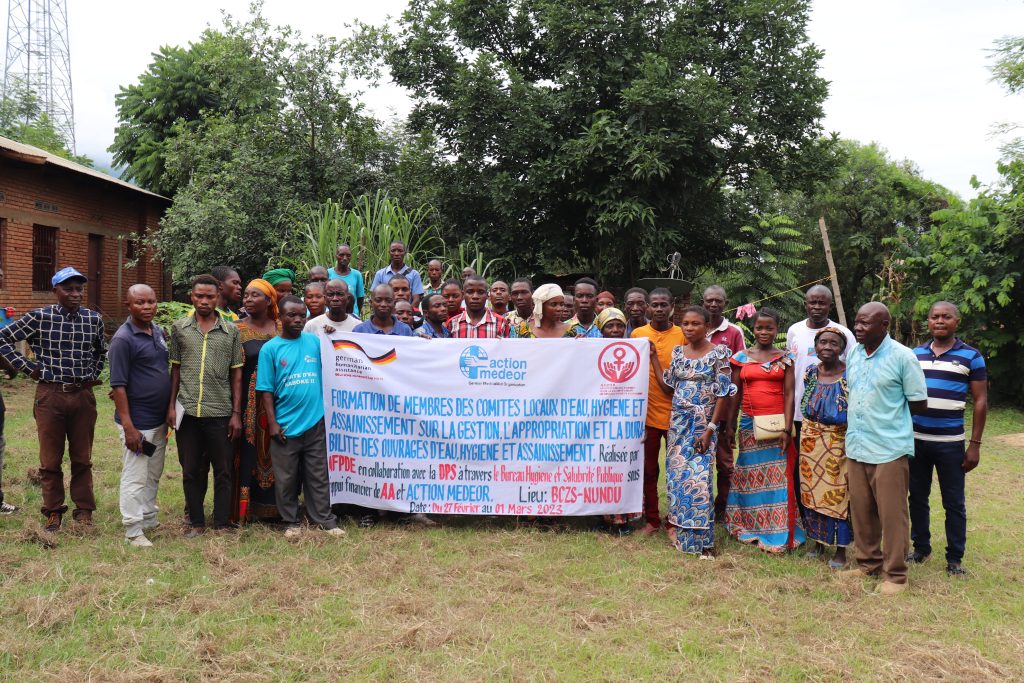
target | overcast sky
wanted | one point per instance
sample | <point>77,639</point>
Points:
<point>909,74</point>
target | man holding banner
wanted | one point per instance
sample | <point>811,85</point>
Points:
<point>290,387</point>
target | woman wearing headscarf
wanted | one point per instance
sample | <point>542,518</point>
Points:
<point>281,279</point>
<point>547,321</point>
<point>612,324</point>
<point>254,473</point>
<point>604,300</point>
<point>824,487</point>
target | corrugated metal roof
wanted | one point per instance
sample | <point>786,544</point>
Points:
<point>42,156</point>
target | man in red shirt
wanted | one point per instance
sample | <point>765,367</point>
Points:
<point>477,321</point>
<point>722,332</point>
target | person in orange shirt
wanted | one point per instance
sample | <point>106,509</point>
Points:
<point>664,337</point>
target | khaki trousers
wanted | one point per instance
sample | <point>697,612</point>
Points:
<point>880,517</point>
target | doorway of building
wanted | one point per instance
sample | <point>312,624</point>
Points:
<point>95,274</point>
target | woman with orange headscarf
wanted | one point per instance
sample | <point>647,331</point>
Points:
<point>254,474</point>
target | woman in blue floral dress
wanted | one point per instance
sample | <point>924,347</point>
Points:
<point>697,378</point>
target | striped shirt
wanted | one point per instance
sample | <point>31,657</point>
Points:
<point>949,378</point>
<point>491,326</point>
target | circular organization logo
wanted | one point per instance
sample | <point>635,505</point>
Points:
<point>471,360</point>
<point>619,362</point>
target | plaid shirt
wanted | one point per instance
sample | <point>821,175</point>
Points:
<point>69,347</point>
<point>491,326</point>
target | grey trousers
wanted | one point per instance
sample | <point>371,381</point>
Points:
<point>303,460</point>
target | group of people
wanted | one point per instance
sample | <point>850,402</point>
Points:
<point>838,432</point>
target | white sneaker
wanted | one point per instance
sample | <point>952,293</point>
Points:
<point>337,532</point>
<point>139,541</point>
<point>8,509</point>
<point>293,532</point>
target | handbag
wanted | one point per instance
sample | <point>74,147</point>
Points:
<point>769,427</point>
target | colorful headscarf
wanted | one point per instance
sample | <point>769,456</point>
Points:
<point>609,314</point>
<point>834,330</point>
<point>540,295</point>
<point>268,289</point>
<point>279,275</point>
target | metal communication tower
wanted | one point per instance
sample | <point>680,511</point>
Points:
<point>39,56</point>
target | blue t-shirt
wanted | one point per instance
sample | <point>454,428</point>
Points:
<point>400,329</point>
<point>385,275</point>
<point>881,387</point>
<point>139,363</point>
<point>354,280</point>
<point>290,370</point>
<point>949,378</point>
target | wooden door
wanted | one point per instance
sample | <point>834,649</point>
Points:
<point>95,273</point>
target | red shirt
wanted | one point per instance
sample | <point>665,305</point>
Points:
<point>729,335</point>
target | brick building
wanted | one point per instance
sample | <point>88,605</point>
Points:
<point>56,213</point>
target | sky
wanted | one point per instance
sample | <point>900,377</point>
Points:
<point>910,75</point>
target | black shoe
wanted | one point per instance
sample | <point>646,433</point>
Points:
<point>918,557</point>
<point>367,521</point>
<point>195,531</point>
<point>955,569</point>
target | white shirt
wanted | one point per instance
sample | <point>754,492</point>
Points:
<point>800,342</point>
<point>316,325</point>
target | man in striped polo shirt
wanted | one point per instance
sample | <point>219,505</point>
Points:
<point>951,369</point>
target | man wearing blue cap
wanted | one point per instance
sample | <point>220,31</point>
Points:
<point>70,349</point>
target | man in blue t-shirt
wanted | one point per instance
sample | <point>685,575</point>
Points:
<point>289,384</point>
<point>352,277</point>
<point>399,267</point>
<point>951,370</point>
<point>140,385</point>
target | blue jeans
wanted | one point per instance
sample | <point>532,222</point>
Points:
<point>947,459</point>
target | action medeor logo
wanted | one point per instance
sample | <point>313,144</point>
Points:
<point>471,360</point>
<point>618,362</point>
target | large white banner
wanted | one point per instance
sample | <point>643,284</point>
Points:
<point>486,426</point>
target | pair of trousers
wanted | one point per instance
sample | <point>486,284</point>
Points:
<point>65,417</point>
<point>652,454</point>
<point>878,512</point>
<point>3,446</point>
<point>302,461</point>
<point>140,478</point>
<point>724,465</point>
<point>203,442</point>
<point>947,459</point>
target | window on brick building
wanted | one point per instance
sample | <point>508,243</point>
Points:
<point>44,257</point>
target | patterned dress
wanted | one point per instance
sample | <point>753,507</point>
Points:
<point>698,383</point>
<point>762,505</point>
<point>824,485</point>
<point>254,473</point>
<point>524,331</point>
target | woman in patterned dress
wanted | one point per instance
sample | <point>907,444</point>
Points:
<point>698,377</point>
<point>762,505</point>
<point>254,472</point>
<point>824,487</point>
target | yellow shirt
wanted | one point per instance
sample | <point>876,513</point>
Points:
<point>659,404</point>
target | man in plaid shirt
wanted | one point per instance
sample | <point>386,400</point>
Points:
<point>476,321</point>
<point>70,349</point>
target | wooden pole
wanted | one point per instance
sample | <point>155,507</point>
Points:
<point>840,311</point>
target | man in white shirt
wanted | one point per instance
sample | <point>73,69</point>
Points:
<point>800,340</point>
<point>336,317</point>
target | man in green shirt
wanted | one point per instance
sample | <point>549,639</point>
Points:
<point>206,378</point>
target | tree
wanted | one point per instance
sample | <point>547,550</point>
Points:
<point>602,135</point>
<point>22,119</point>
<point>866,201</point>
<point>246,127</point>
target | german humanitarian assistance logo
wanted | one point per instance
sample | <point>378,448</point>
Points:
<point>619,362</point>
<point>382,359</point>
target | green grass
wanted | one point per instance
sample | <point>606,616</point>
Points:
<point>474,600</point>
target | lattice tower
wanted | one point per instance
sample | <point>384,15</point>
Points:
<point>38,54</point>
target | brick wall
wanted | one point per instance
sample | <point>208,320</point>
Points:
<point>78,206</point>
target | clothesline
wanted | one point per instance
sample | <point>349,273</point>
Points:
<point>778,294</point>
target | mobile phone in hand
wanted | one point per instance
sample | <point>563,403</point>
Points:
<point>148,448</point>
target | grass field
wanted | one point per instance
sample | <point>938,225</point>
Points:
<point>477,601</point>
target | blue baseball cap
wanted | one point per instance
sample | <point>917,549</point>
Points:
<point>65,274</point>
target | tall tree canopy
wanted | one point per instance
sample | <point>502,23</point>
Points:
<point>602,134</point>
<point>244,127</point>
<point>22,119</point>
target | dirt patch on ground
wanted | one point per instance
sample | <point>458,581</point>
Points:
<point>1012,440</point>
